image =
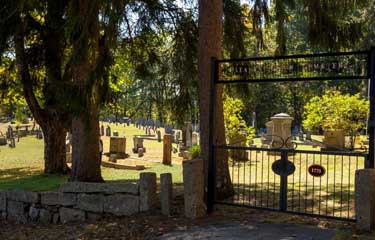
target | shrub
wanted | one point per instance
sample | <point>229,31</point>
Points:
<point>195,151</point>
<point>233,121</point>
<point>337,111</point>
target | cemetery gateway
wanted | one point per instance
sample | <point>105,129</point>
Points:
<point>279,176</point>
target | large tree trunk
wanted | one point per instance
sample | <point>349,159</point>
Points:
<point>54,147</point>
<point>210,33</point>
<point>53,128</point>
<point>86,162</point>
<point>85,123</point>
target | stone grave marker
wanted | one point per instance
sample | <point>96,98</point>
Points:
<point>3,140</point>
<point>194,138</point>
<point>140,152</point>
<point>178,135</point>
<point>188,129</point>
<point>137,144</point>
<point>12,143</point>
<point>101,130</point>
<point>108,131</point>
<point>159,135</point>
<point>308,136</point>
<point>300,136</point>
<point>167,149</point>
<point>166,193</point>
<point>117,145</point>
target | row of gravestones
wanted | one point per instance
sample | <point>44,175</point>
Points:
<point>296,132</point>
<point>108,131</point>
<point>154,124</point>
<point>11,135</point>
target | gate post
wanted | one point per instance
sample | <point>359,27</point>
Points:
<point>284,181</point>
<point>365,199</point>
<point>371,121</point>
<point>211,181</point>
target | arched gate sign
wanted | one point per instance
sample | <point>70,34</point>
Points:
<point>315,183</point>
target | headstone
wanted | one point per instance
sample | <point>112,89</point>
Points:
<point>300,136</point>
<point>159,135</point>
<point>12,143</point>
<point>254,120</point>
<point>138,143</point>
<point>281,130</point>
<point>267,137</point>
<point>239,140</point>
<point>117,145</point>
<point>3,141</point>
<point>102,130</point>
<point>140,152</point>
<point>166,193</point>
<point>147,191</point>
<point>194,138</point>
<point>178,135</point>
<point>167,149</point>
<point>108,131</point>
<point>188,129</point>
<point>10,132</point>
<point>39,134</point>
<point>334,139</point>
<point>113,157</point>
<point>308,136</point>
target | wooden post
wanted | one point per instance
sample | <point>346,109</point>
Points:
<point>167,149</point>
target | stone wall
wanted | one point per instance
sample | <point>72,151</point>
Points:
<point>79,201</point>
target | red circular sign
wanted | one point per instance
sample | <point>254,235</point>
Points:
<point>317,170</point>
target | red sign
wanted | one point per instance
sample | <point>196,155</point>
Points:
<point>317,170</point>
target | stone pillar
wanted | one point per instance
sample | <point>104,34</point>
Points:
<point>167,149</point>
<point>193,178</point>
<point>166,193</point>
<point>365,199</point>
<point>147,191</point>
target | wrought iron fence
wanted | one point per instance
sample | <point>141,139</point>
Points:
<point>294,187</point>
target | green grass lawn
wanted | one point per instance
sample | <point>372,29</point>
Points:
<point>22,167</point>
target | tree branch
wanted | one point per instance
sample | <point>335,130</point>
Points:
<point>24,73</point>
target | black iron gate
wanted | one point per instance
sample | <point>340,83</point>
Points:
<point>282,178</point>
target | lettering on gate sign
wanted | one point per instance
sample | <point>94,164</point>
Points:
<point>317,170</point>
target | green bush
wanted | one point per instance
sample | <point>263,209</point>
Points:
<point>234,123</point>
<point>337,111</point>
<point>195,151</point>
<point>20,115</point>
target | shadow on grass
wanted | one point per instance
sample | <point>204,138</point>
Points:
<point>325,200</point>
<point>30,179</point>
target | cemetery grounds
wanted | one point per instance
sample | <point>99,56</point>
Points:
<point>22,167</point>
<point>253,180</point>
